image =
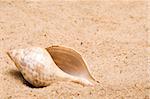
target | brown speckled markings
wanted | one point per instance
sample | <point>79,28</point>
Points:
<point>113,33</point>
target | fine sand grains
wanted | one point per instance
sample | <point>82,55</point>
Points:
<point>111,35</point>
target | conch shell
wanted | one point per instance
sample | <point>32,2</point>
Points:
<point>42,66</point>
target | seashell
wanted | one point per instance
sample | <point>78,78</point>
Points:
<point>42,66</point>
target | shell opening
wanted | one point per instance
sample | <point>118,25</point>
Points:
<point>69,61</point>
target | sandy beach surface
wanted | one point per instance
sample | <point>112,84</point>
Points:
<point>112,36</point>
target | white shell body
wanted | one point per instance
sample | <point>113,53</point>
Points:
<point>39,69</point>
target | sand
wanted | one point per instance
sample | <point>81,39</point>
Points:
<point>112,36</point>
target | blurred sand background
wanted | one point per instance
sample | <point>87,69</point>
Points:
<point>112,36</point>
